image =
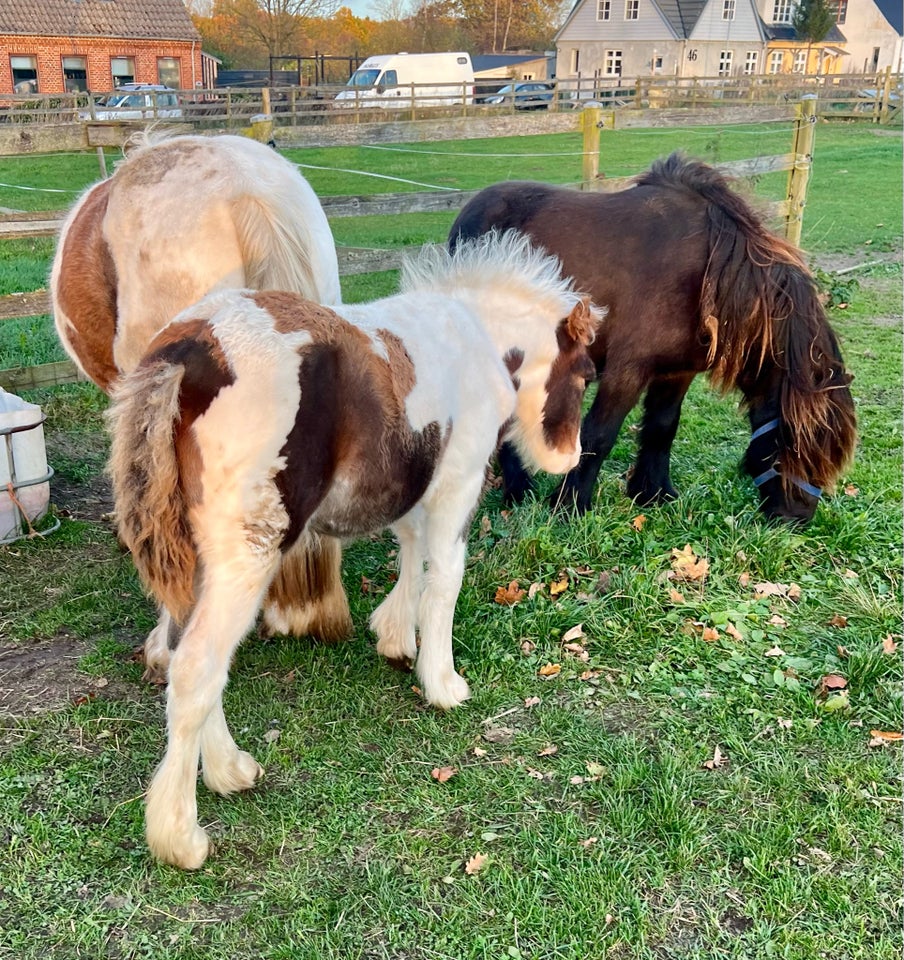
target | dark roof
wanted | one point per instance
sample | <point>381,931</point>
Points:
<point>893,12</point>
<point>682,15</point>
<point>784,31</point>
<point>120,19</point>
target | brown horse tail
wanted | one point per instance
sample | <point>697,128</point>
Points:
<point>151,504</point>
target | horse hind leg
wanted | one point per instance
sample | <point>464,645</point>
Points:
<point>650,480</point>
<point>307,596</point>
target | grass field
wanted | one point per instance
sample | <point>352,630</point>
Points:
<point>684,786</point>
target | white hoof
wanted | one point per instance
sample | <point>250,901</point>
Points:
<point>240,774</point>
<point>157,653</point>
<point>395,641</point>
<point>186,849</point>
<point>447,692</point>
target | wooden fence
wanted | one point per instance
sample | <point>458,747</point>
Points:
<point>356,260</point>
<point>875,97</point>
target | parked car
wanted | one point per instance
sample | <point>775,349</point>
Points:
<point>136,101</point>
<point>529,95</point>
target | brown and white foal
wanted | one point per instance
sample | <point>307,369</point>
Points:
<point>257,419</point>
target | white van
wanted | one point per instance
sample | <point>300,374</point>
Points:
<point>385,80</point>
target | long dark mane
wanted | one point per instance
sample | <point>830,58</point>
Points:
<point>760,307</point>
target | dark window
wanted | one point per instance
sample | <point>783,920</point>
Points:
<point>25,74</point>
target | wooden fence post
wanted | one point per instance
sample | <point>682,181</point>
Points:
<point>799,175</point>
<point>590,167</point>
<point>886,96</point>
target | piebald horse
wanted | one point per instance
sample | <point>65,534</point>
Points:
<point>256,419</point>
<point>181,217</point>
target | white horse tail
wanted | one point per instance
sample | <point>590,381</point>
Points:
<point>151,503</point>
<point>285,237</point>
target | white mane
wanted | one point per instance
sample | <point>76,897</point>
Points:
<point>495,260</point>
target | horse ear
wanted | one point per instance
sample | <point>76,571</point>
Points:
<point>581,323</point>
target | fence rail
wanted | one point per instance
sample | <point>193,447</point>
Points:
<point>875,97</point>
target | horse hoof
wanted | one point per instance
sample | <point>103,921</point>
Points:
<point>402,664</point>
<point>242,773</point>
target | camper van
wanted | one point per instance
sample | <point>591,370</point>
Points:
<point>385,80</point>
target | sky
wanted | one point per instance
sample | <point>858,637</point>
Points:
<point>361,8</point>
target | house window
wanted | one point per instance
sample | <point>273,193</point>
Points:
<point>632,9</point>
<point>776,59</point>
<point>575,60</point>
<point>728,9</point>
<point>800,62</point>
<point>782,10</point>
<point>25,74</point>
<point>122,70</point>
<point>750,62</point>
<point>168,72</point>
<point>839,8</point>
<point>612,63</point>
<point>603,9</point>
<point>725,63</point>
<point>657,64</point>
<point>75,74</point>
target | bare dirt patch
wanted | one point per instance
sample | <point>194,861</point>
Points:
<point>43,675</point>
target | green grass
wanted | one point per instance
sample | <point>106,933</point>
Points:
<point>349,849</point>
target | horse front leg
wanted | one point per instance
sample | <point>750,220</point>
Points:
<point>614,400</point>
<point>447,531</point>
<point>516,481</point>
<point>649,481</point>
<point>395,620</point>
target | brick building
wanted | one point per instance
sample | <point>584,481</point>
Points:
<point>52,46</point>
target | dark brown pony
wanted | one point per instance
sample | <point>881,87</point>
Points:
<point>694,283</point>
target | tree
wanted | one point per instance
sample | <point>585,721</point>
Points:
<point>812,21</point>
<point>277,27</point>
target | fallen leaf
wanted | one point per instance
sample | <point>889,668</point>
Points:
<point>486,526</point>
<point>638,522</point>
<point>443,774</point>
<point>886,734</point>
<point>794,592</point>
<point>775,651</point>
<point>532,702</point>
<point>558,586</point>
<point>842,651</point>
<point>589,675</point>
<point>718,760</point>
<point>595,770</point>
<point>744,580</point>
<point>510,595</point>
<point>710,634</point>
<point>573,633</point>
<point>475,864</point>
<point>889,645</point>
<point>550,669</point>
<point>589,842</point>
<point>686,565</point>
<point>851,491</point>
<point>733,632</point>
<point>831,681</point>
<point>850,575</point>
<point>534,589</point>
<point>604,582</point>
<point>548,750</point>
<point>366,584</point>
<point>838,621</point>
<point>271,736</point>
<point>479,752</point>
<point>528,647</point>
<point>778,621</point>
<point>675,596</point>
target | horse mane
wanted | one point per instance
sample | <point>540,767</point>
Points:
<point>759,304</point>
<point>492,260</point>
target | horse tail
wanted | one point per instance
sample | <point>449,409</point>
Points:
<point>284,235</point>
<point>151,503</point>
<point>760,310</point>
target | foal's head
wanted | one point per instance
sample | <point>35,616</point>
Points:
<point>550,383</point>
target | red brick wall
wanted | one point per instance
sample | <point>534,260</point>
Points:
<point>98,51</point>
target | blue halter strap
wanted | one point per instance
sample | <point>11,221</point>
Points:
<point>772,473</point>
